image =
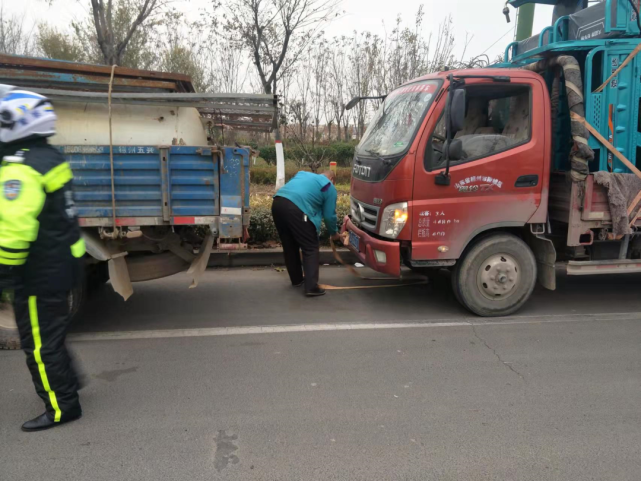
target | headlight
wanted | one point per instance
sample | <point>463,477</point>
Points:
<point>393,220</point>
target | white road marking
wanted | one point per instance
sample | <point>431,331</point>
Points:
<point>284,329</point>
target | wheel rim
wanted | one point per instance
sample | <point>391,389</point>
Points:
<point>498,277</point>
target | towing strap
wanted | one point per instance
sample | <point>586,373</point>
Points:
<point>353,270</point>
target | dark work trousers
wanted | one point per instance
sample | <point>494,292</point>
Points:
<point>297,233</point>
<point>43,322</point>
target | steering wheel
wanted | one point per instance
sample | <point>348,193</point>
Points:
<point>439,137</point>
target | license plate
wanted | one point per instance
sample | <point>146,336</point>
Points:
<point>354,241</point>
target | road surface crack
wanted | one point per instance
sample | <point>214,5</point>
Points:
<point>498,356</point>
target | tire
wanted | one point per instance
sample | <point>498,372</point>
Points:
<point>9,336</point>
<point>496,276</point>
<point>97,276</point>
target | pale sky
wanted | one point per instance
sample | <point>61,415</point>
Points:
<point>481,18</point>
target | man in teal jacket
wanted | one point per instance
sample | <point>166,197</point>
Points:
<point>298,210</point>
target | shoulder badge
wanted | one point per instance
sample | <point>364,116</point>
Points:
<point>12,189</point>
<point>16,158</point>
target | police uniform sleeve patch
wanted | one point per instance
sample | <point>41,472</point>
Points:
<point>12,189</point>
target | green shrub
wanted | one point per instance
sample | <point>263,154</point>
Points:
<point>343,175</point>
<point>263,175</point>
<point>268,154</point>
<point>343,153</point>
<point>267,175</point>
<point>340,152</point>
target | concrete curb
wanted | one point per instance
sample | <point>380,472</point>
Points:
<point>268,257</point>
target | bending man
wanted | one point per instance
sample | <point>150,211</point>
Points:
<point>298,208</point>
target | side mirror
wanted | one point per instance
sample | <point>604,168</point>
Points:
<point>455,149</point>
<point>457,111</point>
<point>352,103</point>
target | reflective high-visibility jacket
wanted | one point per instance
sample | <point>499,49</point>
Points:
<point>40,243</point>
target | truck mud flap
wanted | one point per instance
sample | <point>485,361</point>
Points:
<point>200,263</point>
<point>545,255</point>
<point>119,277</point>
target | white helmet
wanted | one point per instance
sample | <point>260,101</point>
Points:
<point>25,115</point>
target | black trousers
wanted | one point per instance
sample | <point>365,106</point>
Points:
<point>297,234</point>
<point>43,322</point>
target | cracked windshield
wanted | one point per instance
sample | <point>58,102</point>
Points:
<point>224,257</point>
<point>393,127</point>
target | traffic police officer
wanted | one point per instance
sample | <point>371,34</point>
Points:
<point>40,249</point>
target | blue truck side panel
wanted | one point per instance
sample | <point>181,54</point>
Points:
<point>193,182</point>
<point>234,191</point>
<point>162,183</point>
<point>137,179</point>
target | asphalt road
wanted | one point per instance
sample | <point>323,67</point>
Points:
<point>243,378</point>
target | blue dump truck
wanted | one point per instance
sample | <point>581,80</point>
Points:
<point>154,194</point>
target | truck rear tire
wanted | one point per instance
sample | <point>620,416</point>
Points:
<point>9,336</point>
<point>496,276</point>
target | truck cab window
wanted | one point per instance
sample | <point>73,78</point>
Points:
<point>498,118</point>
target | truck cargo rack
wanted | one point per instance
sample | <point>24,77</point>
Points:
<point>254,112</point>
<point>592,27</point>
<point>30,72</point>
<point>86,83</point>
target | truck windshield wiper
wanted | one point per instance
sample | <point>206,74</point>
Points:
<point>378,156</point>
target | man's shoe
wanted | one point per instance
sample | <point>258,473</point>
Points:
<point>318,291</point>
<point>43,422</point>
<point>299,284</point>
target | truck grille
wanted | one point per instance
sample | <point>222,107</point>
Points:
<point>364,215</point>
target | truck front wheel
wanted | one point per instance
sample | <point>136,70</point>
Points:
<point>496,276</point>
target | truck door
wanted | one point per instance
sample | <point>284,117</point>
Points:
<point>497,182</point>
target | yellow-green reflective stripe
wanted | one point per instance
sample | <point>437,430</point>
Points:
<point>14,244</point>
<point>57,177</point>
<point>12,262</point>
<point>35,331</point>
<point>78,249</point>
<point>13,255</point>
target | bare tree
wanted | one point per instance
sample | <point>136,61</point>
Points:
<point>328,113</point>
<point>15,37</point>
<point>300,106</point>
<point>441,56</point>
<point>227,71</point>
<point>277,32</point>
<point>116,26</point>
<point>308,154</point>
<point>318,78</point>
<point>336,83</point>
<point>363,62</point>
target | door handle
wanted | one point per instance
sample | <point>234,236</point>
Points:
<point>527,181</point>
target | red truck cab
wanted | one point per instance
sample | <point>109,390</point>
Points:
<point>401,214</point>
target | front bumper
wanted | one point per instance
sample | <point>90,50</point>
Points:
<point>368,246</point>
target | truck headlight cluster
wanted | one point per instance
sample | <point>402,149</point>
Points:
<point>393,220</point>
